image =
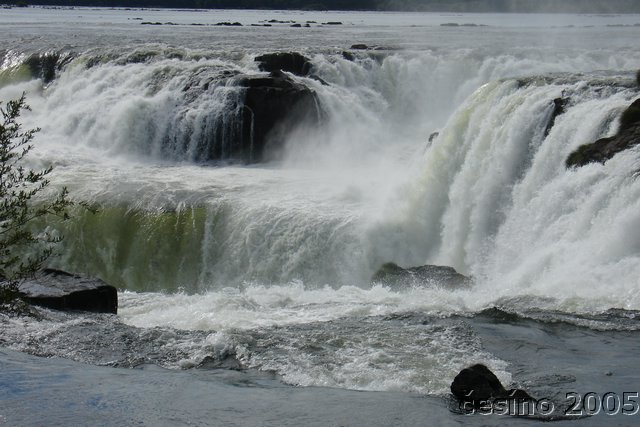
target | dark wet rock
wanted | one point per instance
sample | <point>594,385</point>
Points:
<point>44,66</point>
<point>348,56</point>
<point>273,105</point>
<point>638,77</point>
<point>631,116</point>
<point>559,107</point>
<point>296,25</point>
<point>64,291</point>
<point>262,112</point>
<point>603,149</point>
<point>433,136</point>
<point>477,385</point>
<point>229,24</point>
<point>291,62</point>
<point>332,23</point>
<point>359,46</point>
<point>392,274</point>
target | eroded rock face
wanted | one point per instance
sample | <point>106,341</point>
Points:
<point>603,149</point>
<point>392,274</point>
<point>64,291</point>
<point>274,105</point>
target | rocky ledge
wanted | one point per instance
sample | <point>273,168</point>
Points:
<point>60,290</point>
<point>603,149</point>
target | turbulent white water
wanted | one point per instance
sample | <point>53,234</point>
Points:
<point>296,241</point>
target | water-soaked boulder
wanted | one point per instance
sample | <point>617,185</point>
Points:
<point>45,65</point>
<point>291,62</point>
<point>64,291</point>
<point>477,385</point>
<point>273,105</point>
<point>392,274</point>
<point>603,149</point>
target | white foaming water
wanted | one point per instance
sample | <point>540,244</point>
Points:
<point>286,250</point>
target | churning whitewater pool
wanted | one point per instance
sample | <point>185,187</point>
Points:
<point>245,290</point>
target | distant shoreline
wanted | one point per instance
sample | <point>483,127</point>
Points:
<point>454,6</point>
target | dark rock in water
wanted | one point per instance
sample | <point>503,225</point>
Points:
<point>392,274</point>
<point>296,25</point>
<point>359,46</point>
<point>603,149</point>
<point>348,56</point>
<point>477,385</point>
<point>638,77</point>
<point>630,117</point>
<point>44,66</point>
<point>332,23</point>
<point>229,24</point>
<point>559,105</point>
<point>291,62</point>
<point>260,113</point>
<point>273,105</point>
<point>433,136</point>
<point>64,291</point>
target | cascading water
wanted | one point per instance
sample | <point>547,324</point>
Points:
<point>498,202</point>
<point>270,265</point>
<point>454,207</point>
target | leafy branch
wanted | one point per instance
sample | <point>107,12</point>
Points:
<point>23,250</point>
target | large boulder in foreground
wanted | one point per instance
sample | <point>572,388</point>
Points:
<point>291,62</point>
<point>392,274</point>
<point>603,149</point>
<point>477,384</point>
<point>60,290</point>
<point>273,106</point>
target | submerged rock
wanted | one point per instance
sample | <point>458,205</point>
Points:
<point>291,62</point>
<point>477,385</point>
<point>603,149</point>
<point>392,274</point>
<point>64,291</point>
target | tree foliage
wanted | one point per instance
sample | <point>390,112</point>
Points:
<point>23,248</point>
